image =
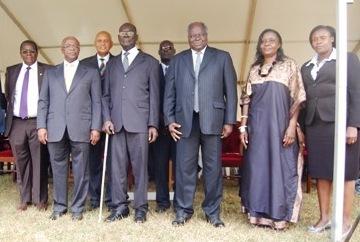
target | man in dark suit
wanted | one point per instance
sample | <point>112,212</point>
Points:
<point>69,115</point>
<point>163,149</point>
<point>131,113</point>
<point>199,108</point>
<point>22,84</point>
<point>103,44</point>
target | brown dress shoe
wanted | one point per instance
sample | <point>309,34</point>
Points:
<point>22,207</point>
<point>41,206</point>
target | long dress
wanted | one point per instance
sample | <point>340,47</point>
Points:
<point>271,175</point>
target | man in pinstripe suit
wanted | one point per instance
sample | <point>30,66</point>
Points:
<point>199,108</point>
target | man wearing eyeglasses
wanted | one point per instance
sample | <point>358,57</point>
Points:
<point>22,85</point>
<point>199,108</point>
<point>69,118</point>
<point>131,114</point>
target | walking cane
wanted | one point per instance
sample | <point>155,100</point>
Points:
<point>103,176</point>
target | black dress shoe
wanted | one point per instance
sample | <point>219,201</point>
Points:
<point>93,207</point>
<point>140,216</point>
<point>77,216</point>
<point>181,220</point>
<point>56,215</point>
<point>118,215</point>
<point>161,209</point>
<point>215,221</point>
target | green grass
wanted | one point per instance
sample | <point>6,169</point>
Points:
<point>32,225</point>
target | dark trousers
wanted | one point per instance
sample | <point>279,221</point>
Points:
<point>129,147</point>
<point>95,171</point>
<point>31,161</point>
<point>160,152</point>
<point>59,157</point>
<point>187,152</point>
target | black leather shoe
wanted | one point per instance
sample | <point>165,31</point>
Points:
<point>215,221</point>
<point>161,209</point>
<point>93,207</point>
<point>181,220</point>
<point>140,216</point>
<point>56,215</point>
<point>77,216</point>
<point>118,215</point>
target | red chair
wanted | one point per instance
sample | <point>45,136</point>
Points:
<point>7,158</point>
<point>232,151</point>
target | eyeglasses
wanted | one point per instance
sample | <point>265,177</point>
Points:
<point>28,52</point>
<point>128,33</point>
<point>270,41</point>
<point>167,47</point>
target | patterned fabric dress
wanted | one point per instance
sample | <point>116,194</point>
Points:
<point>271,175</point>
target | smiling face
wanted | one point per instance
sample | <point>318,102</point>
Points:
<point>70,48</point>
<point>197,36</point>
<point>166,51</point>
<point>322,42</point>
<point>28,53</point>
<point>127,36</point>
<point>103,43</point>
<point>269,44</point>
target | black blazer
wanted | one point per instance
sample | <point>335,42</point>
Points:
<point>11,77</point>
<point>320,93</point>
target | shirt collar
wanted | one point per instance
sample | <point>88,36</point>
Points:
<point>201,51</point>
<point>315,58</point>
<point>132,51</point>
<point>74,63</point>
<point>106,58</point>
<point>33,66</point>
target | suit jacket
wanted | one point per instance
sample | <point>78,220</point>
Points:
<point>78,110</point>
<point>131,98</point>
<point>11,77</point>
<point>93,62</point>
<point>217,91</point>
<point>320,93</point>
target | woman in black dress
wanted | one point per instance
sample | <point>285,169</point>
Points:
<point>319,76</point>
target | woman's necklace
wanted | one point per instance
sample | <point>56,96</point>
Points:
<point>270,69</point>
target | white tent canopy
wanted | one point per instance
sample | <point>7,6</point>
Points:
<point>234,25</point>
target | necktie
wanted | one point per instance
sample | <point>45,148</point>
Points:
<point>196,90</point>
<point>102,66</point>
<point>166,69</point>
<point>24,94</point>
<point>126,61</point>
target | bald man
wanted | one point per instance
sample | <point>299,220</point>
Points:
<point>103,43</point>
<point>69,117</point>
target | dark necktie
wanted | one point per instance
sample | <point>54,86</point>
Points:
<point>24,94</point>
<point>102,66</point>
<point>126,61</point>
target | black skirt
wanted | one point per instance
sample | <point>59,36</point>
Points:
<point>320,144</point>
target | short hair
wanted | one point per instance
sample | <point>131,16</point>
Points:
<point>29,42</point>
<point>328,28</point>
<point>69,37</point>
<point>128,25</point>
<point>202,25</point>
<point>105,33</point>
<point>165,42</point>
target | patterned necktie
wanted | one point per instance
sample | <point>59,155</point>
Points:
<point>102,66</point>
<point>196,90</point>
<point>126,61</point>
<point>24,94</point>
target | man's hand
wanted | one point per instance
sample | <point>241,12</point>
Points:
<point>42,135</point>
<point>244,139</point>
<point>153,134</point>
<point>94,136</point>
<point>351,135</point>
<point>289,136</point>
<point>227,129</point>
<point>108,127</point>
<point>174,132</point>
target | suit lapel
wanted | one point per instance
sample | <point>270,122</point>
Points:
<point>40,75</point>
<point>189,62</point>
<point>80,71</point>
<point>209,52</point>
<point>14,77</point>
<point>139,58</point>
<point>60,76</point>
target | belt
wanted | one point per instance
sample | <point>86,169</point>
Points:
<point>26,118</point>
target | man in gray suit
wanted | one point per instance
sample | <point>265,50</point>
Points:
<point>69,116</point>
<point>130,112</point>
<point>199,108</point>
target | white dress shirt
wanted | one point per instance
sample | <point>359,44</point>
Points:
<point>164,67</point>
<point>194,55</point>
<point>33,90</point>
<point>318,65</point>
<point>132,54</point>
<point>106,59</point>
<point>69,72</point>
